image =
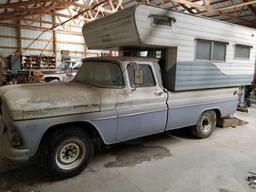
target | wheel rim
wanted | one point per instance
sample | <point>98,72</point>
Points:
<point>70,154</point>
<point>206,124</point>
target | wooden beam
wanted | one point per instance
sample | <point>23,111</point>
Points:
<point>42,40</point>
<point>54,36</point>
<point>37,49</point>
<point>247,15</point>
<point>23,12</point>
<point>18,33</point>
<point>25,3</point>
<point>237,5</point>
<point>230,12</point>
<point>253,9</point>
<point>211,9</point>
<point>186,8</point>
<point>8,47</point>
<point>8,37</point>
<point>40,29</point>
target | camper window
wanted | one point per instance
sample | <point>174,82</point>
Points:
<point>219,51</point>
<point>145,72</point>
<point>210,50</point>
<point>203,50</point>
<point>242,51</point>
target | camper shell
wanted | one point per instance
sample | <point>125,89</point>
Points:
<point>194,52</point>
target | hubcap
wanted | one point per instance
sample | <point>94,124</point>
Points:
<point>206,124</point>
<point>70,154</point>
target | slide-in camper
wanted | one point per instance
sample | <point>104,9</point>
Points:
<point>195,52</point>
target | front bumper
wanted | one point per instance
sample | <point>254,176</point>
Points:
<point>11,153</point>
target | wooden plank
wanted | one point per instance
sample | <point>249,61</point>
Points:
<point>37,49</point>
<point>40,29</point>
<point>252,8</point>
<point>237,5</point>
<point>8,37</point>
<point>25,3</point>
<point>18,32</point>
<point>54,38</point>
<point>211,9</point>
<point>186,8</point>
<point>8,47</point>
<point>70,32</point>
<point>70,43</point>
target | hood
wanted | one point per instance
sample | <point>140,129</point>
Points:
<point>52,71</point>
<point>40,100</point>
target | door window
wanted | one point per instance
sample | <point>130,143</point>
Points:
<point>143,73</point>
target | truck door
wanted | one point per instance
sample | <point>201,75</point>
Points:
<point>141,108</point>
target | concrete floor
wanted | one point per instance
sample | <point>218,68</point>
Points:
<point>164,163</point>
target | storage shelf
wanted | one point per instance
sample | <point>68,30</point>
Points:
<point>38,62</point>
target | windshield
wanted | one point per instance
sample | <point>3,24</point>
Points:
<point>69,65</point>
<point>99,73</point>
<point>77,65</point>
<point>63,66</point>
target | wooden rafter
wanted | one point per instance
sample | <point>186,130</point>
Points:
<point>186,8</point>
<point>237,5</point>
<point>25,10</point>
<point>253,9</point>
<point>219,11</point>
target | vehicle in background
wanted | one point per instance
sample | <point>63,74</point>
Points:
<point>64,72</point>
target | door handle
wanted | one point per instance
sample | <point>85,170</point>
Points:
<point>158,93</point>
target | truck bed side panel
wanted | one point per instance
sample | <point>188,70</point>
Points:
<point>185,108</point>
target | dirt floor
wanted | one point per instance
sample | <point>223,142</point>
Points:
<point>174,162</point>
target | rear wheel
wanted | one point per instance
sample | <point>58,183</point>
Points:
<point>67,152</point>
<point>206,125</point>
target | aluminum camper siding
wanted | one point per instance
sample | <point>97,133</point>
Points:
<point>115,30</point>
<point>189,72</point>
<point>133,27</point>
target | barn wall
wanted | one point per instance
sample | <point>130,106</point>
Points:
<point>31,38</point>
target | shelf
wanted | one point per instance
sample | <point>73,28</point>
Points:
<point>38,62</point>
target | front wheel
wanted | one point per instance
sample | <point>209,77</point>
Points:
<point>206,125</point>
<point>67,152</point>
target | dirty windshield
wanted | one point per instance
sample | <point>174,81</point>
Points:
<point>98,73</point>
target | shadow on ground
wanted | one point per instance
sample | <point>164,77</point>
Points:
<point>126,154</point>
<point>16,179</point>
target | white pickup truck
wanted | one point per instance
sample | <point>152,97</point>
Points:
<point>110,100</point>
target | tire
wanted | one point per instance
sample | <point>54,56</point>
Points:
<point>206,125</point>
<point>67,152</point>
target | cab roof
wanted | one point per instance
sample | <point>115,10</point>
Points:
<point>121,58</point>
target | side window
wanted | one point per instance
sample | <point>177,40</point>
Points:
<point>219,51</point>
<point>242,51</point>
<point>203,49</point>
<point>210,50</point>
<point>147,76</point>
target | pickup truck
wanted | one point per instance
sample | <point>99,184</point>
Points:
<point>110,100</point>
<point>64,72</point>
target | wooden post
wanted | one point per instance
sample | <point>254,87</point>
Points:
<point>18,33</point>
<point>54,42</point>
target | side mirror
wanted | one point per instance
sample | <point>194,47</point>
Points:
<point>138,77</point>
